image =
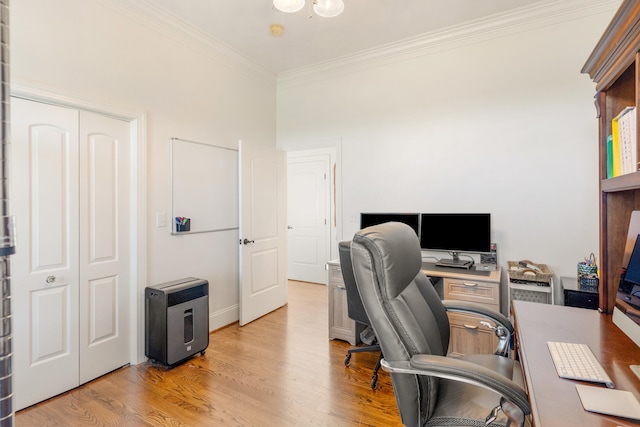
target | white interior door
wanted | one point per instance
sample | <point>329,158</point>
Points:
<point>105,179</point>
<point>45,295</point>
<point>308,217</point>
<point>71,179</point>
<point>263,253</point>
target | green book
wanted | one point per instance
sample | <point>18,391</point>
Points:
<point>610,156</point>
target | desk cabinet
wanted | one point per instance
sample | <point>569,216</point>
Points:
<point>575,297</point>
<point>468,336</point>
<point>340,325</point>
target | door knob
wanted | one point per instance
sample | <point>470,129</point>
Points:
<point>247,241</point>
<point>289,227</point>
<point>50,279</point>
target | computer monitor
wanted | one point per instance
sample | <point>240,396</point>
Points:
<point>411,219</point>
<point>455,233</point>
<point>626,311</point>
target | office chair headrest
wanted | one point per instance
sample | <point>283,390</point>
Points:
<point>395,250</point>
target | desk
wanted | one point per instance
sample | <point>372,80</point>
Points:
<point>468,335</point>
<point>340,325</point>
<point>554,401</point>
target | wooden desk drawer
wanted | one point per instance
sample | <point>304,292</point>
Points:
<point>335,275</point>
<point>472,290</point>
<point>468,336</point>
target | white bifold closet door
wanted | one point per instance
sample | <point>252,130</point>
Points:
<point>70,196</point>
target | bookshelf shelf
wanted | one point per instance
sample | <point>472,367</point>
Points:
<point>614,65</point>
<point>626,182</point>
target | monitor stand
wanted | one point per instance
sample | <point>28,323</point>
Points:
<point>455,262</point>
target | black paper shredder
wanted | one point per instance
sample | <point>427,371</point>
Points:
<point>176,320</point>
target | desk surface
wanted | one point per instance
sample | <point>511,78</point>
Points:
<point>430,269</point>
<point>554,401</point>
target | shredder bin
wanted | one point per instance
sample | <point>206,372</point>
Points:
<point>176,320</point>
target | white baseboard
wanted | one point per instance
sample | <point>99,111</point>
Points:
<point>224,317</point>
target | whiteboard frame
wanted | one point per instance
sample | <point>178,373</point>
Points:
<point>171,168</point>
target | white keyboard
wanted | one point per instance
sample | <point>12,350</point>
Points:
<point>577,362</point>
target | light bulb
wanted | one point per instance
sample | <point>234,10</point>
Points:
<point>328,8</point>
<point>288,5</point>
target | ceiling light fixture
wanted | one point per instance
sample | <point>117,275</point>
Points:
<point>328,8</point>
<point>324,8</point>
<point>288,5</point>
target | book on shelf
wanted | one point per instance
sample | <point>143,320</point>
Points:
<point>610,157</point>
<point>615,148</point>
<point>623,154</point>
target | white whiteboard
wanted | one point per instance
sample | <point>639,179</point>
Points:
<point>204,186</point>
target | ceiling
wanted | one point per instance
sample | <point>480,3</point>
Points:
<point>243,25</point>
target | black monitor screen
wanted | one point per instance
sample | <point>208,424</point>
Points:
<point>628,296</point>
<point>411,219</point>
<point>633,269</point>
<point>456,232</point>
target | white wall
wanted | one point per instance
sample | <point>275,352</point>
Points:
<point>97,51</point>
<point>502,124</point>
<point>510,111</point>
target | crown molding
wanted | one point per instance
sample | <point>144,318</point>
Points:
<point>538,15</point>
<point>51,95</point>
<point>156,19</point>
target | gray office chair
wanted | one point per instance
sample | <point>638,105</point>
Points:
<point>412,327</point>
<point>355,309</point>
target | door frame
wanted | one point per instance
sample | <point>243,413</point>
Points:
<point>138,249</point>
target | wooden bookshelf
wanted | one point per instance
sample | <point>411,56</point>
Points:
<point>614,65</point>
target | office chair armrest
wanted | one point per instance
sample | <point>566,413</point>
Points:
<point>479,309</point>
<point>461,370</point>
<point>503,328</point>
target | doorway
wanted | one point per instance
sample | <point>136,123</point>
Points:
<point>311,213</point>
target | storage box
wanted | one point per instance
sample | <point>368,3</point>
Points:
<point>518,273</point>
<point>588,283</point>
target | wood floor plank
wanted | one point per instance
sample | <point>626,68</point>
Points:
<point>280,370</point>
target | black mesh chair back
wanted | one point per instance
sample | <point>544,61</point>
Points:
<point>355,308</point>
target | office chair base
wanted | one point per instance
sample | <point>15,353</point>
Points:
<point>368,348</point>
<point>374,377</point>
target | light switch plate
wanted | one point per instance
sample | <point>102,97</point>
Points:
<point>161,219</point>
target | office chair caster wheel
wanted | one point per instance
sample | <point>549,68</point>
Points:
<point>347,359</point>
<point>202,353</point>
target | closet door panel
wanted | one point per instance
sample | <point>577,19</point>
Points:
<point>51,328</point>
<point>103,300</point>
<point>103,203</point>
<point>45,266</point>
<point>104,244</point>
<point>51,196</point>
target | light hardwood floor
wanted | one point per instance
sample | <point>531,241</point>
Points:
<point>280,370</point>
